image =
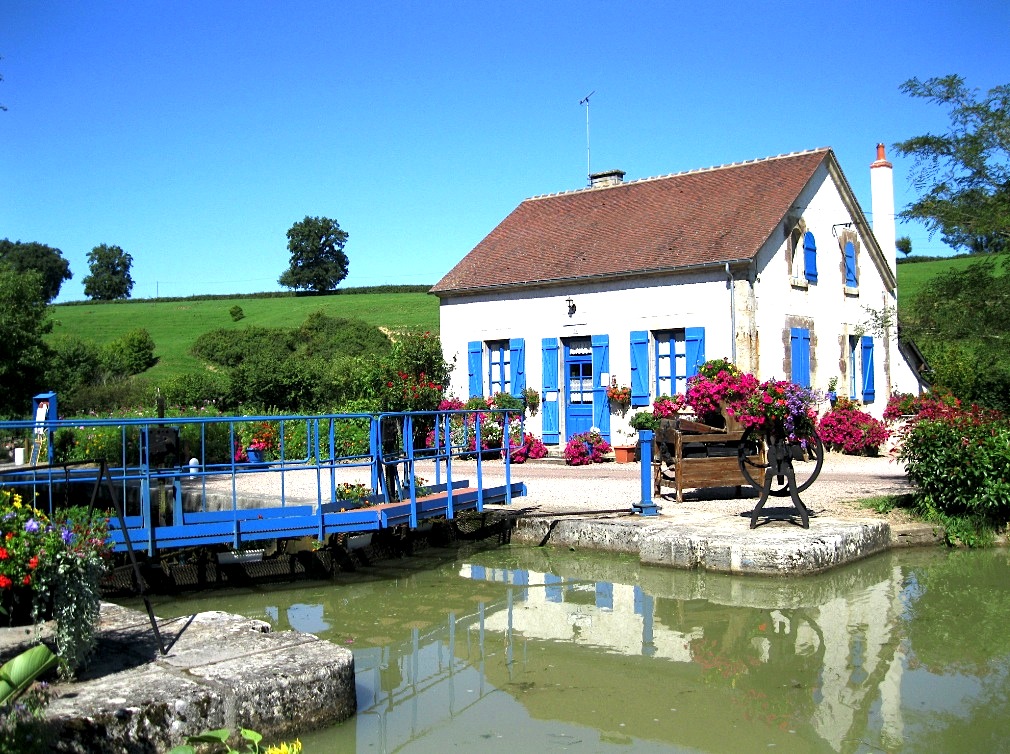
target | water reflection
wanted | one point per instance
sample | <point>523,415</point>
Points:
<point>521,648</point>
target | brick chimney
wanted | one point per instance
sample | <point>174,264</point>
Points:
<point>606,178</point>
<point>882,206</point>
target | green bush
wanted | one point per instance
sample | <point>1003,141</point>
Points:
<point>75,362</point>
<point>195,389</point>
<point>229,348</point>
<point>131,354</point>
<point>961,466</point>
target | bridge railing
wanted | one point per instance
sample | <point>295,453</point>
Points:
<point>164,468</point>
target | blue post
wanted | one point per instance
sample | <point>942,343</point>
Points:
<point>646,507</point>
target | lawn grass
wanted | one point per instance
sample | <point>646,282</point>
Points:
<point>176,324</point>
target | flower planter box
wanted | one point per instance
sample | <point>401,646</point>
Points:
<point>624,453</point>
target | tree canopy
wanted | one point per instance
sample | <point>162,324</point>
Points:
<point>45,260</point>
<point>24,354</point>
<point>964,174</point>
<point>318,261</point>
<point>110,274</point>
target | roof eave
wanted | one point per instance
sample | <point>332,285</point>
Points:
<point>581,279</point>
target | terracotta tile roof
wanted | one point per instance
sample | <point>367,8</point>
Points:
<point>668,222</point>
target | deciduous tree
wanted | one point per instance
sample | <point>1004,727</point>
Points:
<point>964,174</point>
<point>110,274</point>
<point>45,260</point>
<point>24,354</point>
<point>318,261</point>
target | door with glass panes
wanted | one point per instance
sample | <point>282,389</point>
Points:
<point>578,386</point>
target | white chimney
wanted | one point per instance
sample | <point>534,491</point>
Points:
<point>882,206</point>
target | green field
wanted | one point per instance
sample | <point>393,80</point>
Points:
<point>175,325</point>
<point>913,275</point>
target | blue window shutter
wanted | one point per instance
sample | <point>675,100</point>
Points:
<point>517,362</point>
<point>551,427</point>
<point>869,393</point>
<point>601,403</point>
<point>694,348</point>
<point>640,368</point>
<point>850,265</point>
<point>810,257</point>
<point>474,352</point>
<point>799,352</point>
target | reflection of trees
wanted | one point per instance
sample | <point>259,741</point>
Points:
<point>957,620</point>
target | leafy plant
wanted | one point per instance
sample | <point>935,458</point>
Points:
<point>23,701</point>
<point>217,741</point>
<point>531,399</point>
<point>644,420</point>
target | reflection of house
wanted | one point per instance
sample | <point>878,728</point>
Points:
<point>842,646</point>
<point>770,263</point>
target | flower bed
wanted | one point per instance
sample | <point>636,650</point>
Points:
<point>847,429</point>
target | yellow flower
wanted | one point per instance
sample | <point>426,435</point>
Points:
<point>285,748</point>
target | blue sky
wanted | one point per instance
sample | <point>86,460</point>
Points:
<point>194,134</point>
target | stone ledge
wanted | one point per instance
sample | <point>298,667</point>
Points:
<point>221,671</point>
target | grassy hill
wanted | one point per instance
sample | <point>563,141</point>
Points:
<point>913,275</point>
<point>175,324</point>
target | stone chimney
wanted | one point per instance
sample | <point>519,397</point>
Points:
<point>606,178</point>
<point>882,206</point>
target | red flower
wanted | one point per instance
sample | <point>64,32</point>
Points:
<point>26,580</point>
<point>3,553</point>
<point>10,536</point>
<point>4,582</point>
<point>33,562</point>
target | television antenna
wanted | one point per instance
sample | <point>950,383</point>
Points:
<point>589,163</point>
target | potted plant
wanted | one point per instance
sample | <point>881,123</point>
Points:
<point>586,448</point>
<point>626,444</point>
<point>53,568</point>
<point>644,420</point>
<point>260,441</point>
<point>619,394</point>
<point>832,394</point>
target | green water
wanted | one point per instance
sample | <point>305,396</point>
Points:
<point>531,649</point>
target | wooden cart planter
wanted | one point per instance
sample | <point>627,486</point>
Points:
<point>690,454</point>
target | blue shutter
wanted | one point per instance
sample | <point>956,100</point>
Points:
<point>810,257</point>
<point>601,404</point>
<point>640,368</point>
<point>866,344</point>
<point>474,352</point>
<point>517,363</point>
<point>850,265</point>
<point>799,352</point>
<point>549,404</point>
<point>694,348</point>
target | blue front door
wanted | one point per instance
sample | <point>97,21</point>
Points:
<point>578,387</point>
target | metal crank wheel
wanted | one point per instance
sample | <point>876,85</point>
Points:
<point>807,453</point>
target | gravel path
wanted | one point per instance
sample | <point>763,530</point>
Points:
<point>610,487</point>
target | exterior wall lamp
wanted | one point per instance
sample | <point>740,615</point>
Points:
<point>571,306</point>
<point>836,226</point>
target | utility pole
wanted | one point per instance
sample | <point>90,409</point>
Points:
<point>589,162</point>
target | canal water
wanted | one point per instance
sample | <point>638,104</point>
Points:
<point>520,649</point>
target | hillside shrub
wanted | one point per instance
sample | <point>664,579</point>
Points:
<point>195,389</point>
<point>131,354</point>
<point>75,362</point>
<point>960,464</point>
<point>847,429</point>
<point>229,347</point>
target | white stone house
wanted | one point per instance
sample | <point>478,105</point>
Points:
<point>770,263</point>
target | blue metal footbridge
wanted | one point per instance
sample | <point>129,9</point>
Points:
<point>190,482</point>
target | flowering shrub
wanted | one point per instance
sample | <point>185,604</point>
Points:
<point>61,562</point>
<point>408,392</point>
<point>960,464</point>
<point>463,427</point>
<point>777,403</point>
<point>850,430</point>
<point>930,406</point>
<point>667,407</point>
<point>261,436</point>
<point>586,448</point>
<point>718,383</point>
<point>531,447</point>
<point>356,494</point>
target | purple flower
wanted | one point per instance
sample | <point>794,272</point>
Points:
<point>68,536</point>
<point>32,526</point>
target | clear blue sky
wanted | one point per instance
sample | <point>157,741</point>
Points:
<point>194,133</point>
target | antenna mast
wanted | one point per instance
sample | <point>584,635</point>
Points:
<point>589,164</point>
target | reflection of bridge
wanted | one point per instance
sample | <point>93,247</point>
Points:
<point>188,482</point>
